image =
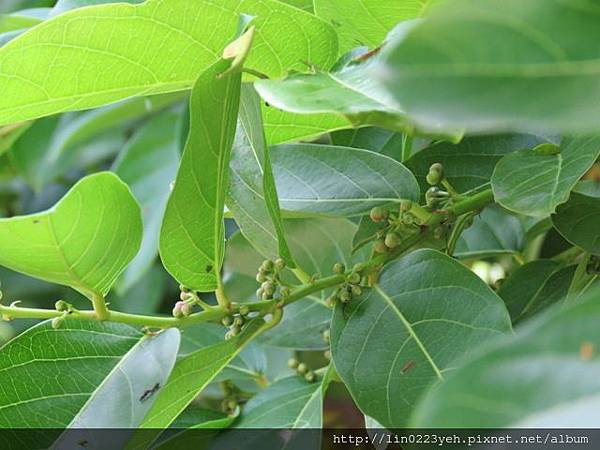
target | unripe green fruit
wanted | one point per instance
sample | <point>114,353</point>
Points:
<point>345,296</point>
<point>339,268</point>
<point>433,178</point>
<point>186,309</point>
<point>310,376</point>
<point>392,240</point>
<point>61,306</point>
<point>378,214</point>
<point>302,368</point>
<point>405,206</point>
<point>244,310</point>
<point>227,321</point>
<point>354,278</point>
<point>279,264</point>
<point>267,265</point>
<point>356,290</point>
<point>260,277</point>
<point>380,246</point>
<point>293,363</point>
<point>57,322</point>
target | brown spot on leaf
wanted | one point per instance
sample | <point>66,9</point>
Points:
<point>407,366</point>
<point>586,351</point>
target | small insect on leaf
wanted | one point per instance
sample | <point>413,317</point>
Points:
<point>586,351</point>
<point>149,392</point>
<point>407,366</point>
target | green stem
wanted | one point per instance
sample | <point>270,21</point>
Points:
<point>475,203</point>
<point>568,255</point>
<point>102,312</point>
<point>407,142</point>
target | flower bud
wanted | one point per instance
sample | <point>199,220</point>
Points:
<point>285,291</point>
<point>356,290</point>
<point>310,376</point>
<point>244,310</point>
<point>405,206</point>
<point>57,322</point>
<point>177,310</point>
<point>354,278</point>
<point>238,321</point>
<point>345,296</point>
<point>260,277</point>
<point>186,309</point>
<point>227,321</point>
<point>268,288</point>
<point>378,214</point>
<point>327,354</point>
<point>259,293</point>
<point>302,368</point>
<point>185,296</point>
<point>326,335</point>
<point>267,265</point>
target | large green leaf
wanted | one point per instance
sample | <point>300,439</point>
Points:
<point>494,232</point>
<point>157,46</point>
<point>469,163</point>
<point>338,181</point>
<point>22,19</point>
<point>367,22</point>
<point>350,92</point>
<point>544,377</point>
<point>317,244</point>
<point>85,374</point>
<point>406,333</point>
<point>250,178</point>
<point>148,165</point>
<point>84,241</point>
<point>578,219</point>
<point>193,373</point>
<point>534,183</point>
<point>191,237</point>
<point>501,65</point>
<point>535,286</point>
<point>282,126</point>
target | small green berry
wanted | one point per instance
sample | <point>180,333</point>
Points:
<point>293,363</point>
<point>57,322</point>
<point>227,321</point>
<point>267,265</point>
<point>302,368</point>
<point>238,321</point>
<point>354,278</point>
<point>392,240</point>
<point>380,246</point>
<point>433,178</point>
<point>356,290</point>
<point>345,296</point>
<point>61,306</point>
<point>378,214</point>
<point>260,277</point>
<point>339,268</point>
<point>279,264</point>
<point>310,376</point>
<point>405,206</point>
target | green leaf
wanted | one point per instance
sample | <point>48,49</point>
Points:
<point>406,333</point>
<point>84,241</point>
<point>9,134</point>
<point>317,244</point>
<point>148,164</point>
<point>534,286</point>
<point>535,183</point>
<point>192,374</point>
<point>470,163</point>
<point>191,237</point>
<point>500,65</point>
<point>360,22</point>
<point>282,126</point>
<point>494,232</point>
<point>167,45</point>
<point>351,93</point>
<point>544,377</point>
<point>340,181</point>
<point>251,177</point>
<point>85,374</point>
<point>290,402</point>
<point>63,6</point>
<point>577,221</point>
<point>22,19</point>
